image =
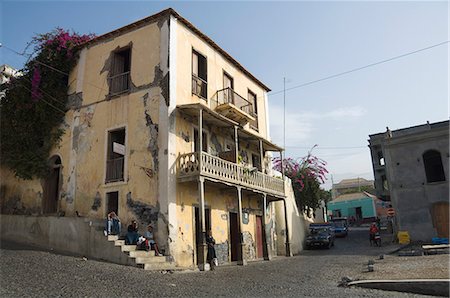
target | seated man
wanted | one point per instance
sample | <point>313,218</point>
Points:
<point>113,225</point>
<point>151,244</point>
<point>132,236</point>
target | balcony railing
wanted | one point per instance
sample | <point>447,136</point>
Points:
<point>114,170</point>
<point>119,83</point>
<point>199,87</point>
<point>229,96</point>
<point>217,168</point>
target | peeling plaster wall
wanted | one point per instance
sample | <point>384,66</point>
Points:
<point>220,201</point>
<point>19,196</point>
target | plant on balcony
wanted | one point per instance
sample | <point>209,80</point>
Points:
<point>33,109</point>
<point>307,174</point>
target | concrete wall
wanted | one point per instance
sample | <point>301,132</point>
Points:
<point>72,235</point>
<point>298,223</point>
<point>412,196</point>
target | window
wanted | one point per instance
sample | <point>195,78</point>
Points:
<point>119,75</point>
<point>380,158</point>
<point>115,155</point>
<point>256,161</point>
<point>253,101</point>
<point>204,141</point>
<point>384,182</point>
<point>228,86</point>
<point>199,75</point>
<point>433,166</point>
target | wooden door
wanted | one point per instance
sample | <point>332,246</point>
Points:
<point>234,236</point>
<point>259,238</point>
<point>441,219</point>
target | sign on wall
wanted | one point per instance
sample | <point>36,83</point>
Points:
<point>118,148</point>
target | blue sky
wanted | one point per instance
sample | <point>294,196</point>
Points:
<point>302,41</point>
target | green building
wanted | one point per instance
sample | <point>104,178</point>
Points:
<point>359,205</point>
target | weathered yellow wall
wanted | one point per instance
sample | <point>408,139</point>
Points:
<point>217,64</point>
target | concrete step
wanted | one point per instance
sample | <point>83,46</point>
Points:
<point>119,242</point>
<point>159,266</point>
<point>113,237</point>
<point>128,248</point>
<point>150,260</point>
<point>141,253</point>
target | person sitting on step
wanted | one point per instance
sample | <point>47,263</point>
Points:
<point>132,235</point>
<point>113,225</point>
<point>150,241</point>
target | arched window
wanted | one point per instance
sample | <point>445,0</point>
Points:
<point>433,166</point>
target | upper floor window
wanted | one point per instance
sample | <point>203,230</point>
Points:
<point>228,86</point>
<point>252,99</point>
<point>199,75</point>
<point>433,166</point>
<point>115,156</point>
<point>119,76</point>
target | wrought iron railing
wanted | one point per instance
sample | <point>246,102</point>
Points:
<point>114,170</point>
<point>228,95</point>
<point>119,83</point>
<point>211,166</point>
<point>199,87</point>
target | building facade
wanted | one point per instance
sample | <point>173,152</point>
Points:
<point>411,168</point>
<point>359,206</point>
<point>167,128</point>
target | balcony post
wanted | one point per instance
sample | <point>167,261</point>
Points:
<point>200,140</point>
<point>241,261</point>
<point>261,154</point>
<point>266,254</point>
<point>288,245</point>
<point>202,246</point>
<point>236,144</point>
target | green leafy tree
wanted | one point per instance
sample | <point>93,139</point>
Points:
<point>306,174</point>
<point>33,109</point>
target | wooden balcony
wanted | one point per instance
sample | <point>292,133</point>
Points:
<point>188,168</point>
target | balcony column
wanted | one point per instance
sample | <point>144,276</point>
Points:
<point>202,246</point>
<point>236,144</point>
<point>241,261</point>
<point>288,244</point>
<point>266,254</point>
<point>200,140</point>
<point>261,154</point>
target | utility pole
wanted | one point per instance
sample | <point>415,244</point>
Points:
<point>284,113</point>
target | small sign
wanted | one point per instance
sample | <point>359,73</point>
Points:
<point>224,216</point>
<point>245,218</point>
<point>118,148</point>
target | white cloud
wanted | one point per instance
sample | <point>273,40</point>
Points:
<point>300,125</point>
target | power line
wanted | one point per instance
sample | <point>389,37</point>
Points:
<point>56,108</point>
<point>319,147</point>
<point>359,68</point>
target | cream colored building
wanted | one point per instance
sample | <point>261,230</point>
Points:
<point>140,96</point>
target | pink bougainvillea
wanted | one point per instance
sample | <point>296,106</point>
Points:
<point>298,170</point>
<point>36,93</point>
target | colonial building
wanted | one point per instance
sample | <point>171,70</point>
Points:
<point>167,128</point>
<point>411,168</point>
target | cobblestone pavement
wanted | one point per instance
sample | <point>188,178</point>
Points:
<point>26,272</point>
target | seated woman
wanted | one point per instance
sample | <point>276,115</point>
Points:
<point>132,236</point>
<point>113,225</point>
<point>151,244</point>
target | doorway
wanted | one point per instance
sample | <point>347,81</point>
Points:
<point>234,236</point>
<point>112,199</point>
<point>358,212</point>
<point>51,187</point>
<point>259,237</point>
<point>441,219</point>
<point>198,229</point>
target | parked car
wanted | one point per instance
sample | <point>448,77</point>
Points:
<point>340,226</point>
<point>320,235</point>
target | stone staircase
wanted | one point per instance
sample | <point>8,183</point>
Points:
<point>141,258</point>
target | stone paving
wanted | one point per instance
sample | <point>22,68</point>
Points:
<point>27,272</point>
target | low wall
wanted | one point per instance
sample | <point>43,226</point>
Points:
<point>72,235</point>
